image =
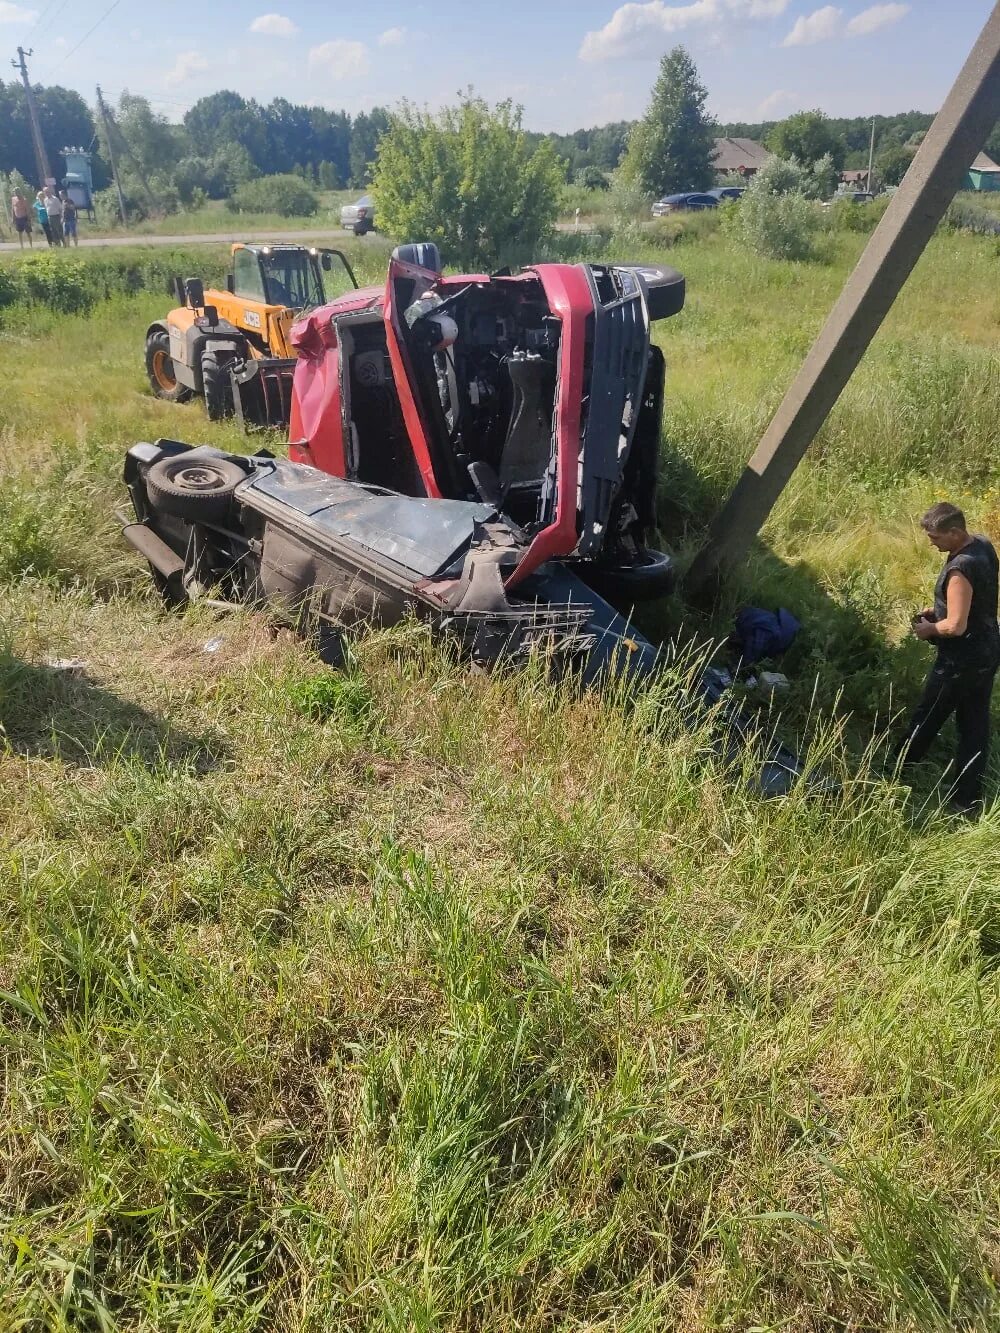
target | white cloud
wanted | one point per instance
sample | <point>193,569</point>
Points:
<point>636,30</point>
<point>340,58</point>
<point>392,37</point>
<point>274,25</point>
<point>775,100</point>
<point>879,16</point>
<point>10,13</point>
<point>186,64</point>
<point>820,26</point>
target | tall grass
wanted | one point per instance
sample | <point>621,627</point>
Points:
<point>403,998</point>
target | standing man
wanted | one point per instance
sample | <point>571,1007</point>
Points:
<point>69,220</point>
<point>962,625</point>
<point>54,208</point>
<point>20,215</point>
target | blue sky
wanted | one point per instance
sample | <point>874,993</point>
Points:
<point>571,63</point>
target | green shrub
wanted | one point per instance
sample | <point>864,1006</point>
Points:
<point>775,218</point>
<point>71,284</point>
<point>288,196</point>
<point>468,178</point>
<point>845,215</point>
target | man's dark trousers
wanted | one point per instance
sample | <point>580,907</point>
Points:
<point>965,692</point>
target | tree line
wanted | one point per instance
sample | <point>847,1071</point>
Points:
<point>225,141</point>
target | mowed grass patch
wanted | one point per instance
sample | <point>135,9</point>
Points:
<point>401,997</point>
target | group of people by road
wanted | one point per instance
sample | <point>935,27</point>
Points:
<point>54,212</point>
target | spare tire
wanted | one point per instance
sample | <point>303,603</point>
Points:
<point>664,288</point>
<point>198,489</point>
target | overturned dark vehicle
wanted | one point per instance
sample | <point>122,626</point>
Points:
<point>478,451</point>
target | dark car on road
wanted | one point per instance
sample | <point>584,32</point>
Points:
<point>687,202</point>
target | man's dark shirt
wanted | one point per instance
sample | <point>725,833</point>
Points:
<point>979,646</point>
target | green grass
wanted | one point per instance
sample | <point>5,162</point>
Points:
<point>407,999</point>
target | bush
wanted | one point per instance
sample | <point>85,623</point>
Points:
<point>775,218</point>
<point>630,206</point>
<point>287,195</point>
<point>845,215</point>
<point>468,178</point>
<point>69,284</point>
<point>592,178</point>
<point>967,215</point>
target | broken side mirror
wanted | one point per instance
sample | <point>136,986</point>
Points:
<point>194,290</point>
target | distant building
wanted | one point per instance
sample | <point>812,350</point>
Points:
<point>739,157</point>
<point>854,180</point>
<point>984,174</point>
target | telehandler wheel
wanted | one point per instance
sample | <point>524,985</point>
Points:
<point>160,369</point>
<point>216,385</point>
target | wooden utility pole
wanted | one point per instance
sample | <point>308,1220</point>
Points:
<point>45,176</point>
<point>959,131</point>
<point>106,120</point>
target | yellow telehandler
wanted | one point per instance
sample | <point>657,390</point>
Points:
<point>232,346</point>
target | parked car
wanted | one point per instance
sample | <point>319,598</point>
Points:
<point>723,192</point>
<point>690,201</point>
<point>359,217</point>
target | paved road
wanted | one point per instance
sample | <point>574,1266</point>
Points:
<point>218,238</point>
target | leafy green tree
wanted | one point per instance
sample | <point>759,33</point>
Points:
<point>467,178</point>
<point>592,178</point>
<point>366,132</point>
<point>671,147</point>
<point>892,164</point>
<point>327,173</point>
<point>807,136</point>
<point>65,120</point>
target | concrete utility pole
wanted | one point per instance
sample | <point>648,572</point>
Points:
<point>961,128</point>
<point>45,176</point>
<point>871,160</point>
<point>106,119</point>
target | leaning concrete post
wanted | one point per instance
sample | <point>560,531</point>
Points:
<point>957,135</point>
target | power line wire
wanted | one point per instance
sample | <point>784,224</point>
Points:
<point>88,33</point>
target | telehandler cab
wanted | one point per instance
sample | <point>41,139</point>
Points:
<point>232,346</point>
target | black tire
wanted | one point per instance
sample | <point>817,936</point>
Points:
<point>216,385</point>
<point>198,489</point>
<point>654,576</point>
<point>664,288</point>
<point>160,369</point>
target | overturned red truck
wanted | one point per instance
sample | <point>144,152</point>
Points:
<point>480,450</point>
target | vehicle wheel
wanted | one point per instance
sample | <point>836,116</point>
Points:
<point>653,576</point>
<point>664,288</point>
<point>160,369</point>
<point>216,385</point>
<point>193,488</point>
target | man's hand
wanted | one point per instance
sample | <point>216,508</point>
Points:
<point>925,629</point>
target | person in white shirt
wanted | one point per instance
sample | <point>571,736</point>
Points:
<point>54,209</point>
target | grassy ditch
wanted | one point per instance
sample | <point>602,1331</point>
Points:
<point>401,998</point>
